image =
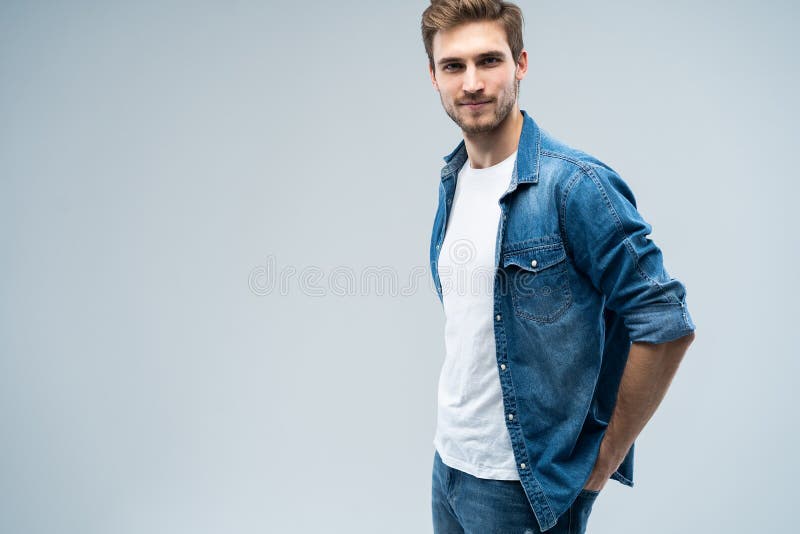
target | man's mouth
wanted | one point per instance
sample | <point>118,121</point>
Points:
<point>475,105</point>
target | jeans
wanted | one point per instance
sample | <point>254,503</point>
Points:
<point>464,504</point>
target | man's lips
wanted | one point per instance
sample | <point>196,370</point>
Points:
<point>475,106</point>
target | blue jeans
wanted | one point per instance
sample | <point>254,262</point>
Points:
<point>464,504</point>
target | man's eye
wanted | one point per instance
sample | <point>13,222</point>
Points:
<point>451,66</point>
<point>492,59</point>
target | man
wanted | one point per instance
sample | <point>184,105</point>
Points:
<point>563,328</point>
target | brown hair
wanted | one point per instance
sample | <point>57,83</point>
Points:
<point>446,14</point>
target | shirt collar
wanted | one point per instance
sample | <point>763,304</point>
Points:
<point>526,167</point>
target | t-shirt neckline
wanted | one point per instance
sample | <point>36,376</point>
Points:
<point>493,167</point>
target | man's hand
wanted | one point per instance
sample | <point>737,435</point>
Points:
<point>645,380</point>
<point>604,467</point>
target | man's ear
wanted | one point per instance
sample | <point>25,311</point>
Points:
<point>522,65</point>
<point>432,74</point>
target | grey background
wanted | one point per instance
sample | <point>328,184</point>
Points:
<point>154,155</point>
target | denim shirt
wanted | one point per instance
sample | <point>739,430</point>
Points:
<point>576,281</point>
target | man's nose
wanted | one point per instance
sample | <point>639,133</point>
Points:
<point>472,81</point>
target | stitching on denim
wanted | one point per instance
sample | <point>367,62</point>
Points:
<point>549,318</point>
<point>589,172</point>
<point>618,475</point>
<point>517,248</point>
<point>509,255</point>
<point>685,315</point>
<point>549,506</point>
<point>562,223</point>
<point>628,245</point>
<point>548,240</point>
<point>562,269</point>
<point>649,309</point>
<point>517,429</point>
<point>558,268</point>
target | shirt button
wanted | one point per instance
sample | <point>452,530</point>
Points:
<point>510,416</point>
<point>533,263</point>
<point>503,366</point>
<point>497,317</point>
<point>437,247</point>
<point>522,465</point>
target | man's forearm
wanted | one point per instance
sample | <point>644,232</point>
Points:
<point>645,380</point>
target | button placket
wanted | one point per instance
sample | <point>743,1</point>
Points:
<point>498,318</point>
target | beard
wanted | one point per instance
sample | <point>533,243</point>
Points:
<point>486,121</point>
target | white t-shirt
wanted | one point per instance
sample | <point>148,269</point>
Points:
<point>471,433</point>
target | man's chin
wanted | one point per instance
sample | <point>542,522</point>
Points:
<point>475,125</point>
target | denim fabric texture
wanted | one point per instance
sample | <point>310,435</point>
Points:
<point>464,504</point>
<point>577,280</point>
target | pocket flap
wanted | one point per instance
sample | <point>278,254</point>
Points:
<point>536,259</point>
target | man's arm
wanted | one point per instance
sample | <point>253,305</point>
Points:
<point>608,240</point>
<point>645,380</point>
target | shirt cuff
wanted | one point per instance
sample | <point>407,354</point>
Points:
<point>660,323</point>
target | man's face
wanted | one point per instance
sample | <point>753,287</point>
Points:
<point>475,74</point>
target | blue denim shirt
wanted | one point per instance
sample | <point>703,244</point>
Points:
<point>576,281</point>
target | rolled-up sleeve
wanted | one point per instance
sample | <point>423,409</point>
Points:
<point>607,239</point>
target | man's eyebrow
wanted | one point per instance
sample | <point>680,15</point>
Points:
<point>491,53</point>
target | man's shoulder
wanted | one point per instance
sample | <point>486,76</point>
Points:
<point>567,169</point>
<point>560,160</point>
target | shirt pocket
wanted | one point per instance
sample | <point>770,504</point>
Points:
<point>538,282</point>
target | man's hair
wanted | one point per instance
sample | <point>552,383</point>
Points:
<point>446,14</point>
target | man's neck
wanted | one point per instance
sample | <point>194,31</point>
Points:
<point>490,148</point>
